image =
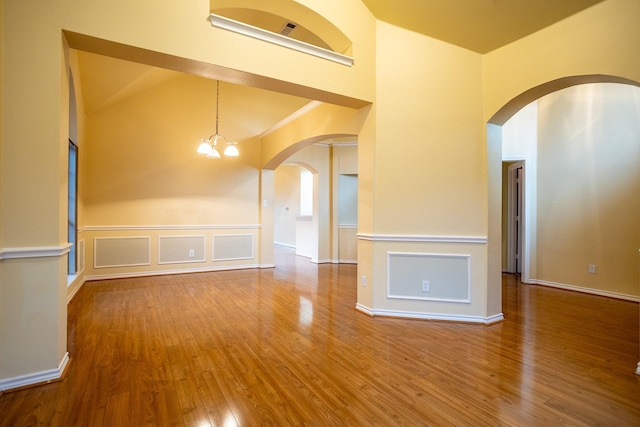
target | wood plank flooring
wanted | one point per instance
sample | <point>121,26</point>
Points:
<point>285,347</point>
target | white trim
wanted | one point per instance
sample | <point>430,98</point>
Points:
<point>213,247</point>
<point>171,272</point>
<point>429,255</point>
<point>348,226</point>
<point>37,377</point>
<point>171,227</point>
<point>365,310</point>
<point>35,252</point>
<point>598,292</point>
<point>638,369</point>
<point>95,252</point>
<point>284,245</point>
<point>189,260</point>
<point>344,261</point>
<point>267,266</point>
<point>431,316</point>
<point>423,239</point>
<point>75,291</point>
<point>278,39</point>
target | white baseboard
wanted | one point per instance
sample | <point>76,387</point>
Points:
<point>584,290</point>
<point>431,316</point>
<point>35,378</point>
<point>365,310</point>
<point>284,245</point>
<point>76,289</point>
<point>170,272</point>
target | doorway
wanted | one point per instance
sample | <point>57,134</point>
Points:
<point>515,216</point>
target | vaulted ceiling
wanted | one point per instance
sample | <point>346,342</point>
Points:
<point>478,25</point>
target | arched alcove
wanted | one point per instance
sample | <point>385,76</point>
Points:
<point>496,156</point>
<point>288,18</point>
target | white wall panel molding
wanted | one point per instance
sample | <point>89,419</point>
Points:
<point>482,240</point>
<point>35,252</point>
<point>229,247</point>
<point>429,277</point>
<point>173,227</point>
<point>599,292</point>
<point>181,249</point>
<point>35,378</point>
<point>348,226</point>
<point>126,251</point>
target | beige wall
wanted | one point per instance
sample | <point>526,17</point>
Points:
<point>588,186</point>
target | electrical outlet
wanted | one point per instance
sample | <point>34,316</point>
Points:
<point>425,286</point>
<point>192,253</point>
<point>364,281</point>
<point>592,268</point>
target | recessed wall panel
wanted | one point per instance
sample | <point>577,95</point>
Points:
<point>232,246</point>
<point>435,277</point>
<point>121,251</point>
<point>181,249</point>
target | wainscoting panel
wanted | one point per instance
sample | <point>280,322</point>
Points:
<point>233,246</point>
<point>181,249</point>
<point>121,251</point>
<point>427,276</point>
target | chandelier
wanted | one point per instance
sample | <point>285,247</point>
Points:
<point>208,146</point>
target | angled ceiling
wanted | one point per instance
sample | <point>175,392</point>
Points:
<point>248,111</point>
<point>478,25</point>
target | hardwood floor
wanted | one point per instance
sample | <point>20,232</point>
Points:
<point>285,346</point>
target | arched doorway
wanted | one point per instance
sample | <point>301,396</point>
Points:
<point>584,173</point>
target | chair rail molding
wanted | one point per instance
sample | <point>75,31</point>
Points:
<point>35,252</point>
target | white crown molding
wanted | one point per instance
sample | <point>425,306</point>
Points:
<point>172,227</point>
<point>584,290</point>
<point>34,252</point>
<point>423,239</point>
<point>35,378</point>
<point>278,39</point>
